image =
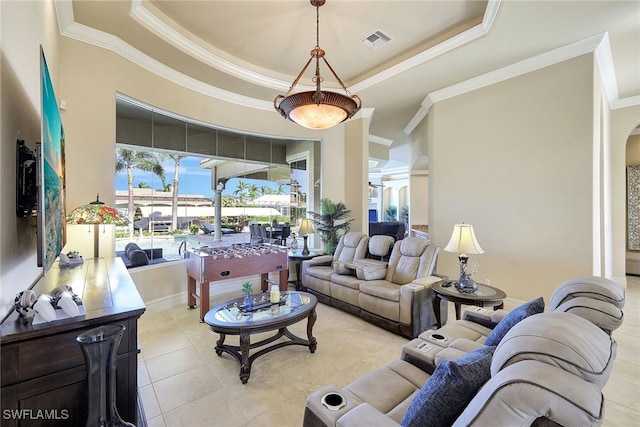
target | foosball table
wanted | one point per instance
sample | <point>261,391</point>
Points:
<point>209,264</point>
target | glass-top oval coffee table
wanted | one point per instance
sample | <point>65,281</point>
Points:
<point>231,318</point>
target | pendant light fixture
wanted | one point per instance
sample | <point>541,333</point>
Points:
<point>317,109</point>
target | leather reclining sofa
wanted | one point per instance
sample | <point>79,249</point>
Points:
<point>524,367</point>
<point>392,290</point>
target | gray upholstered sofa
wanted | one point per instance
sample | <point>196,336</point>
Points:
<point>393,293</point>
<point>546,369</point>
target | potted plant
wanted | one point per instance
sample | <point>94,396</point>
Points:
<point>331,223</point>
<point>247,289</point>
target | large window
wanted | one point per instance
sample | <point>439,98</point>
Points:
<point>168,169</point>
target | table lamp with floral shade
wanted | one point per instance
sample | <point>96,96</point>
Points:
<point>96,213</point>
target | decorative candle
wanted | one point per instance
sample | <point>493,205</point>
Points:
<point>275,294</point>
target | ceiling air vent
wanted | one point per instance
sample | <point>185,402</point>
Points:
<point>376,40</point>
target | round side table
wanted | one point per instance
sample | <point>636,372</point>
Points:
<point>297,257</point>
<point>485,296</point>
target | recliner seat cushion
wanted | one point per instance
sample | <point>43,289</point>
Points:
<point>458,329</point>
<point>391,386</point>
<point>521,312</point>
<point>451,387</point>
<point>321,272</point>
<point>381,289</point>
<point>349,281</point>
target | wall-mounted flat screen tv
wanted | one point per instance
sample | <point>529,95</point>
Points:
<point>51,223</point>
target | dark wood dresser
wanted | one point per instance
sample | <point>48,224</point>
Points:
<point>43,374</point>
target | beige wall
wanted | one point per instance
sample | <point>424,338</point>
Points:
<point>356,157</point>
<point>419,176</point>
<point>515,160</point>
<point>24,26</point>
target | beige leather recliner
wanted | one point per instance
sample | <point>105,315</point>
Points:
<point>404,294</point>
<point>316,272</point>
<point>395,295</point>
<point>596,299</point>
<point>549,369</point>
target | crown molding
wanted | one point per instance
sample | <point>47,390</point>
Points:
<point>608,75</point>
<point>425,106</point>
<point>140,12</point>
<point>598,44</point>
<point>380,140</point>
<point>150,20</point>
<point>365,112</point>
<point>69,28</point>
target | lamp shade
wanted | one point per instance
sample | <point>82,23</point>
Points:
<point>463,240</point>
<point>306,227</point>
<point>302,109</point>
<point>96,213</point>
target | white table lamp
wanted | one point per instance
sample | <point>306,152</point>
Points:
<point>463,242</point>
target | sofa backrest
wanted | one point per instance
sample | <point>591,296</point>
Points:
<point>412,258</point>
<point>560,339</point>
<point>380,245</point>
<point>351,246</point>
<point>593,287</point>
<point>596,299</point>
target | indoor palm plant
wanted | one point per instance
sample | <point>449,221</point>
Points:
<point>331,223</point>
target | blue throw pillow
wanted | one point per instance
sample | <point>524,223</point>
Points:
<point>527,309</point>
<point>448,391</point>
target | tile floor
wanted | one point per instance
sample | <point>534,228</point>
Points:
<point>184,383</point>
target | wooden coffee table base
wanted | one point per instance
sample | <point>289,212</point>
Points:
<point>241,352</point>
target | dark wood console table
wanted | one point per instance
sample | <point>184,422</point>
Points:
<point>43,373</point>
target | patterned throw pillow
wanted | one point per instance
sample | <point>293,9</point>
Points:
<point>448,391</point>
<point>527,309</point>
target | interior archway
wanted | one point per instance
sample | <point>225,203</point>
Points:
<point>632,238</point>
